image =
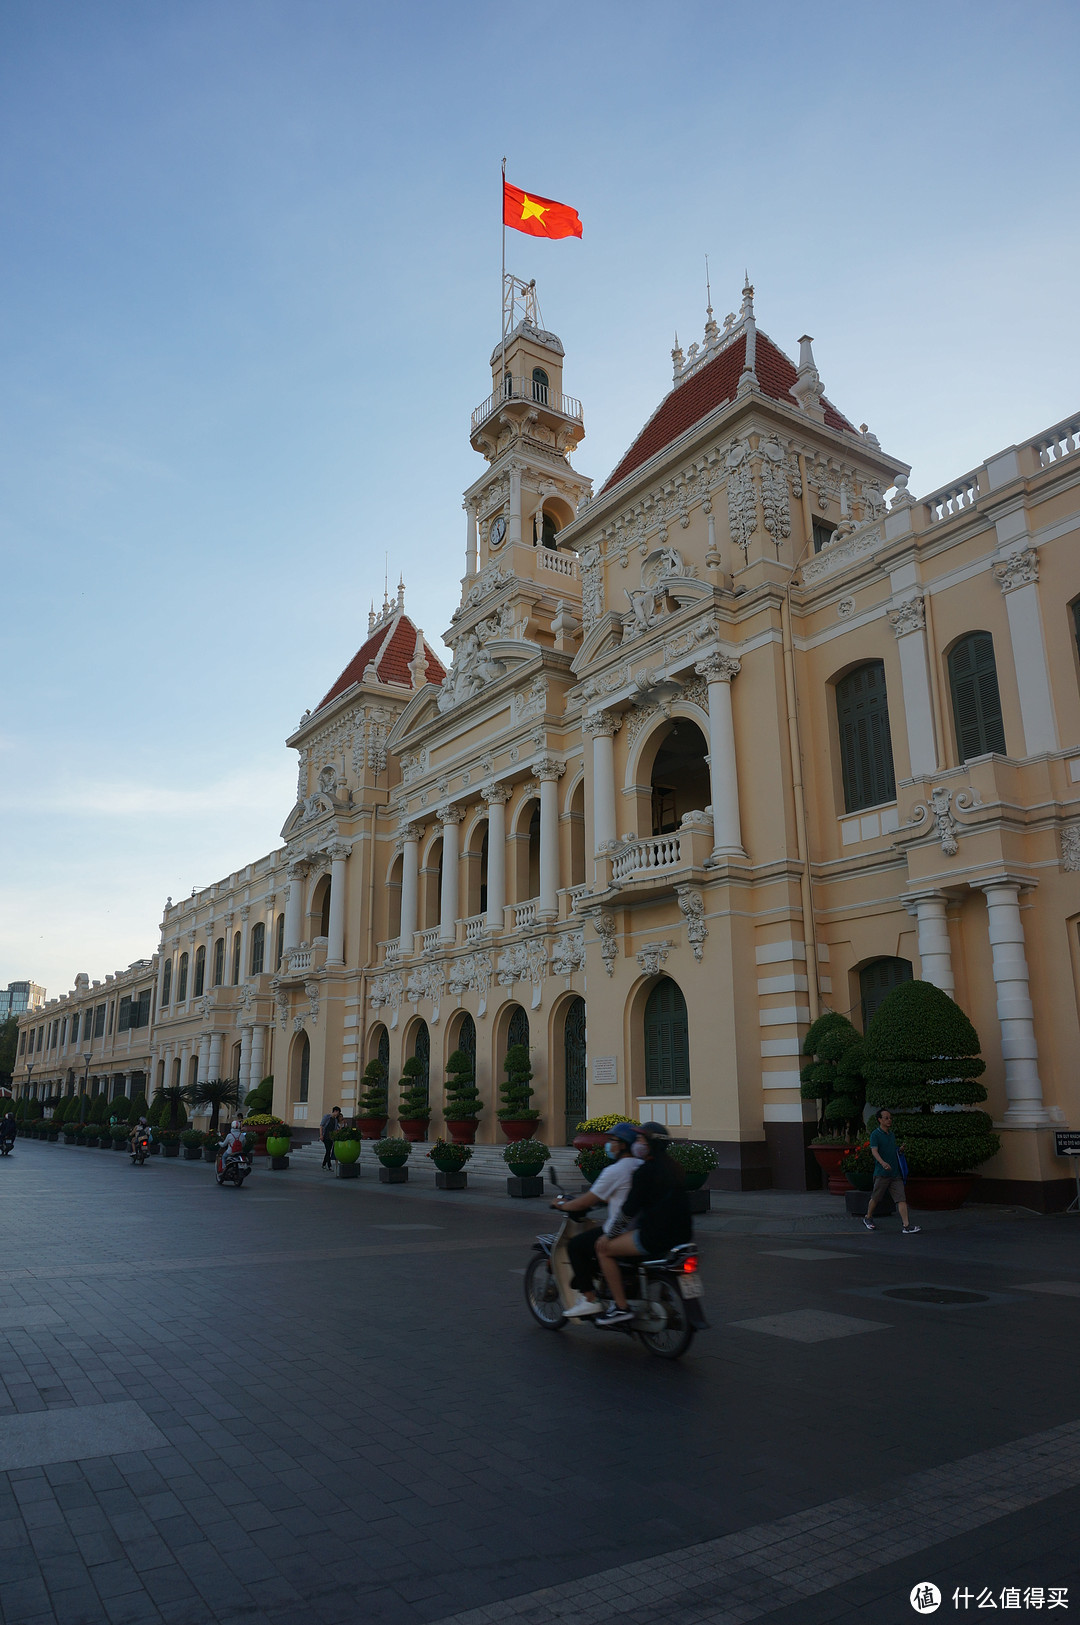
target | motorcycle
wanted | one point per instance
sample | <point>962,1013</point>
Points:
<point>665,1294</point>
<point>7,1145</point>
<point>140,1150</point>
<point>234,1169</point>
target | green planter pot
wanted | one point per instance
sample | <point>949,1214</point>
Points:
<point>192,1153</point>
<point>346,1151</point>
<point>170,1151</point>
<point>278,1145</point>
<point>209,1153</point>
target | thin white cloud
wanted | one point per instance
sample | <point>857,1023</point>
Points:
<point>112,799</point>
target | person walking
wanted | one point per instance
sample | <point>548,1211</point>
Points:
<point>889,1173</point>
<point>327,1128</point>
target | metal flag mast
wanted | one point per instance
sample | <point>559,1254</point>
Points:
<point>512,287</point>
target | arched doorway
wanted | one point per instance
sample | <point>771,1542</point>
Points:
<point>465,1038</point>
<point>667,1041</point>
<point>680,776</point>
<point>301,1070</point>
<point>517,1031</point>
<point>574,1066</point>
<point>876,982</point>
<point>422,1051</point>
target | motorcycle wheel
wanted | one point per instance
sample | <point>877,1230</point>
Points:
<point>220,1178</point>
<point>238,1181</point>
<point>542,1295</point>
<point>677,1336</point>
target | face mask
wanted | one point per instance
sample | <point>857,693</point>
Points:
<point>641,1150</point>
<point>611,1150</point>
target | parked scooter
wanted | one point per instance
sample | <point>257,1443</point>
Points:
<point>233,1169</point>
<point>665,1294</point>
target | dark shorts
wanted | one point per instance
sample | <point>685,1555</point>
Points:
<point>891,1183</point>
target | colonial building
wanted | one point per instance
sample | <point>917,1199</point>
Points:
<point>736,739</point>
<point>93,1040</point>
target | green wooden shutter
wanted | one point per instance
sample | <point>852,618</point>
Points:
<point>976,701</point>
<point>862,715</point>
<point>667,1041</point>
<point>878,979</point>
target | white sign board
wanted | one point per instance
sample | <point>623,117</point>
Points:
<point>605,1069</point>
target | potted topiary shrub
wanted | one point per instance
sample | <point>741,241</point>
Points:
<point>922,1059</point>
<point>525,1160</point>
<point>371,1110</point>
<point>517,1117</point>
<point>261,1098</point>
<point>833,1077</point>
<point>211,1147</point>
<point>697,1163</point>
<point>262,1125</point>
<point>594,1131</point>
<point>71,1133</point>
<point>393,1155</point>
<point>346,1152</point>
<point>463,1103</point>
<point>278,1146</point>
<point>118,1134</point>
<point>450,1157</point>
<point>169,1140</point>
<point>414,1112</point>
<point>91,1134</point>
<point>192,1140</point>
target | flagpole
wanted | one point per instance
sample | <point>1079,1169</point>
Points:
<point>502,279</point>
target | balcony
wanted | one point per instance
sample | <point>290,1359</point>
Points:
<point>527,392</point>
<point>476,928</point>
<point>645,856</point>
<point>429,940</point>
<point>525,913</point>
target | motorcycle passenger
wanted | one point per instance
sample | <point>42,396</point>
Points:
<point>658,1211</point>
<point>610,1186</point>
<point>233,1145</point>
<point>9,1128</point>
<point>139,1132</point>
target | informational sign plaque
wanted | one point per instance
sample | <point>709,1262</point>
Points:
<point>1067,1142</point>
<point>605,1069</point>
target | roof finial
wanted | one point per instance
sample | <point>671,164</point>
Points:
<point>807,388</point>
<point>748,377</point>
<point>418,663</point>
<point>401,592</point>
<point>678,361</point>
<point>711,330</point>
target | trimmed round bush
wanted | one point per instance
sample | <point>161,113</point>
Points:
<point>833,1074</point>
<point>393,1153</point>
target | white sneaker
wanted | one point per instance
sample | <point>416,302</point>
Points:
<point>581,1309</point>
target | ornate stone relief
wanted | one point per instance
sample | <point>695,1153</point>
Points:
<point>837,555</point>
<point>592,586</point>
<point>775,504</point>
<point>908,617</point>
<point>312,991</point>
<point>742,501</point>
<point>474,972</point>
<point>530,702</point>
<point>568,955</point>
<point>692,908</point>
<point>653,956</point>
<point>427,982</point>
<point>414,767</point>
<point>1070,848</point>
<point>1020,569</point>
<point>388,991</point>
<point>609,946</point>
<point>939,808</point>
<point>525,961</point>
<point>473,670</point>
<point>490,579</point>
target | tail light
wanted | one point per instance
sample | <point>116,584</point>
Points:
<point>689,1266</point>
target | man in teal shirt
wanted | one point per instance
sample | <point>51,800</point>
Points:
<point>887,1177</point>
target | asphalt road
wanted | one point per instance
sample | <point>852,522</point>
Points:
<point>325,1401</point>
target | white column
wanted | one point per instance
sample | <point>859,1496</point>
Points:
<point>163,954</point>
<point>1017,576</point>
<point>602,730</point>
<point>245,941</point>
<point>268,940</point>
<point>908,622</point>
<point>213,1065</point>
<point>515,502</point>
<point>204,1058</point>
<point>410,865</point>
<point>718,670</point>
<point>449,818</point>
<point>470,546</point>
<point>935,950</point>
<point>294,895</point>
<point>1023,1087</point>
<point>549,772</point>
<point>245,1060</point>
<point>335,950</point>
<point>496,796</point>
<point>255,1066</point>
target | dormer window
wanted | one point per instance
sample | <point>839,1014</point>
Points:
<point>540,385</point>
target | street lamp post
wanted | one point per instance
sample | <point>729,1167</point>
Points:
<point>86,1069</point>
<point>30,1065</point>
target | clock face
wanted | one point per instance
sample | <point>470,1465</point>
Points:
<point>497,532</point>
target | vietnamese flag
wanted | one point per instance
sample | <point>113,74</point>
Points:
<point>538,216</point>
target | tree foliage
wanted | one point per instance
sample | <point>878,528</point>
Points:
<point>833,1074</point>
<point>463,1102</point>
<point>516,1092</point>
<point>374,1090</point>
<point>413,1101</point>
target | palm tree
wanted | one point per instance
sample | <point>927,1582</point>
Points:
<point>215,1093</point>
<point>172,1095</point>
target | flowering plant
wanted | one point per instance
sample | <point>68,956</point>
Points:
<point>600,1125</point>
<point>448,1156</point>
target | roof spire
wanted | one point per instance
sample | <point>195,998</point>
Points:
<point>418,663</point>
<point>807,388</point>
<point>678,361</point>
<point>748,378</point>
<point>712,334</point>
<point>400,593</point>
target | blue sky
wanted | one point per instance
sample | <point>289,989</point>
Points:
<point>250,261</point>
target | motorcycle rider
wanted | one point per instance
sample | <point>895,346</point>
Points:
<point>233,1145</point>
<point>657,1201</point>
<point>141,1130</point>
<point>610,1186</point>
<point>9,1128</point>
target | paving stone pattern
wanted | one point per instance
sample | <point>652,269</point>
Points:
<point>361,1422</point>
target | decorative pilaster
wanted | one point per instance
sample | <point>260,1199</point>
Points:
<point>601,729</point>
<point>496,796</point>
<point>449,817</point>
<point>719,671</point>
<point>549,771</point>
<point>1023,1086</point>
<point>908,621</point>
<point>335,948</point>
<point>1018,578</point>
<point>935,949</point>
<point>410,868</point>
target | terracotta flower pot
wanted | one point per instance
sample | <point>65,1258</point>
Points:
<point>938,1193</point>
<point>462,1130</point>
<point>828,1159</point>
<point>414,1128</point>
<point>519,1130</point>
<point>588,1142</point>
<point>371,1127</point>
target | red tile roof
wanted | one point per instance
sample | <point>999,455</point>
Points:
<point>390,648</point>
<point>714,386</point>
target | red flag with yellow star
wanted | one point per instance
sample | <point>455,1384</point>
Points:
<point>538,216</point>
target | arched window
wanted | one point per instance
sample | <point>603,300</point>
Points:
<point>862,715</point>
<point>667,1041</point>
<point>219,961</point>
<point>540,385</point>
<point>518,1030</point>
<point>384,1051</point>
<point>976,702</point>
<point>279,942</point>
<point>680,776</point>
<point>574,1066</point>
<point>508,384</point>
<point>304,1080</point>
<point>548,530</point>
<point>466,1039</point>
<point>200,971</point>
<point>236,960</point>
<point>258,948</point>
<point>878,979</point>
<point>166,985</point>
<point>422,1051</point>
<point>181,980</point>
<point>324,916</point>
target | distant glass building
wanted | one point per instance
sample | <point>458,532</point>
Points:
<point>20,996</point>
